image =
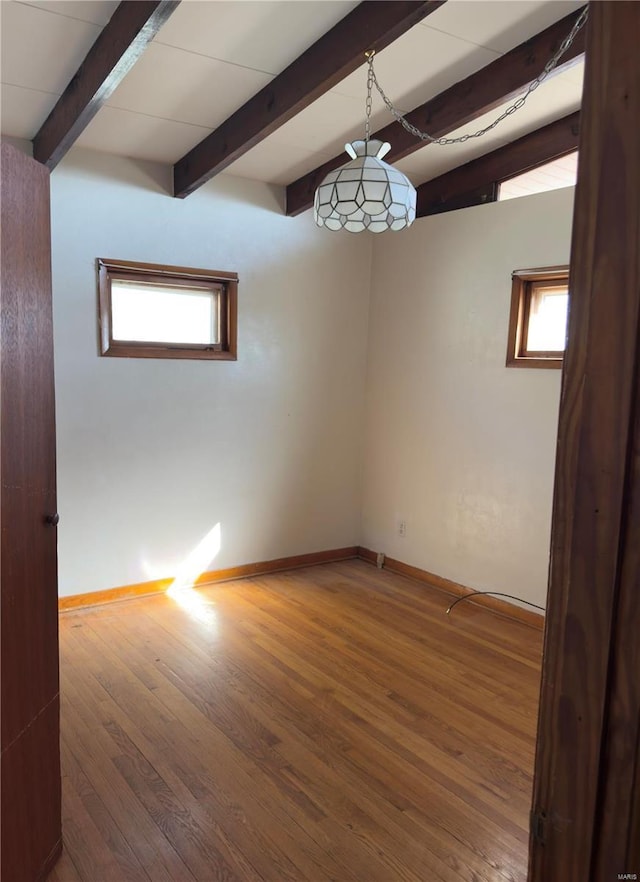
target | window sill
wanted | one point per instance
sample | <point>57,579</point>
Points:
<point>530,362</point>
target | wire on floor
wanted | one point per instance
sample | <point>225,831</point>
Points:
<point>493,594</point>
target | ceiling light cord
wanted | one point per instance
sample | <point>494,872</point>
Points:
<point>493,594</point>
<point>370,77</point>
<point>424,136</point>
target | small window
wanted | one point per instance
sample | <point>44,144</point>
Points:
<point>538,322</point>
<point>554,175</point>
<point>152,311</point>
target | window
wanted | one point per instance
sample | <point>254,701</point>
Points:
<point>538,322</point>
<point>561,172</point>
<point>152,311</point>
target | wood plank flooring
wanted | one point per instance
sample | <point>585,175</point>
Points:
<point>329,724</point>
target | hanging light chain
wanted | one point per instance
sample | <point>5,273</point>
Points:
<point>424,136</point>
<point>370,80</point>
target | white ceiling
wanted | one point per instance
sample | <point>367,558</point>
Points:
<point>212,56</point>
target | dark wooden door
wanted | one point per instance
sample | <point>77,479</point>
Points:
<point>587,779</point>
<point>31,835</point>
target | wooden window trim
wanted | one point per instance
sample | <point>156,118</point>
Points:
<point>224,282</point>
<point>523,282</point>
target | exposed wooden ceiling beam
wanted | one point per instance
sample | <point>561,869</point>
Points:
<point>479,196</point>
<point>483,91</point>
<point>373,24</point>
<point>121,42</point>
<point>456,188</point>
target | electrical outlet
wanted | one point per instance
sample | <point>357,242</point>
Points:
<point>402,527</point>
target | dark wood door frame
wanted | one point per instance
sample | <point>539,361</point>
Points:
<point>30,839</point>
<point>586,801</point>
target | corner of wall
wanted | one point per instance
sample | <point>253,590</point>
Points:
<point>459,451</point>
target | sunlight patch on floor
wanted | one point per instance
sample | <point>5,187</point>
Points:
<point>182,589</point>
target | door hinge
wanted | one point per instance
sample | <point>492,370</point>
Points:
<point>538,822</point>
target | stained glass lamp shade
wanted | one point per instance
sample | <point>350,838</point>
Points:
<point>366,193</point>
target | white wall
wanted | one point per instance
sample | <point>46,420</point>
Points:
<point>19,144</point>
<point>151,453</point>
<point>457,444</point>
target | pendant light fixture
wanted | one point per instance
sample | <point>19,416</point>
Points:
<point>369,194</point>
<point>366,193</point>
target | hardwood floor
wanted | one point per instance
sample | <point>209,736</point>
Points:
<point>329,724</point>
